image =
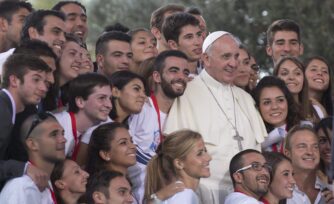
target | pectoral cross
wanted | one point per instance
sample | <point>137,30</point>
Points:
<point>239,139</point>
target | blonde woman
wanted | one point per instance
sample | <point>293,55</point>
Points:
<point>181,157</point>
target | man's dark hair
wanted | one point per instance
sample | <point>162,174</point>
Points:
<point>282,25</point>
<point>100,182</point>
<point>157,17</point>
<point>160,60</point>
<point>173,24</point>
<point>83,86</point>
<point>36,48</point>
<point>70,37</point>
<point>9,8</point>
<point>19,64</point>
<point>37,20</point>
<point>116,27</point>
<point>237,161</point>
<point>193,10</point>
<point>101,43</point>
<point>59,5</point>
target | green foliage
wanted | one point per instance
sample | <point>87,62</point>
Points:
<point>247,19</point>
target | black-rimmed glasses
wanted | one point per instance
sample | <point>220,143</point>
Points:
<point>255,166</point>
<point>38,118</point>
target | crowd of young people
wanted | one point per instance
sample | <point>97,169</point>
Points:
<point>171,114</point>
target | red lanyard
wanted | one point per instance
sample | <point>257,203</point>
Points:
<point>75,136</point>
<point>53,196</point>
<point>275,149</point>
<point>264,201</point>
<point>156,107</point>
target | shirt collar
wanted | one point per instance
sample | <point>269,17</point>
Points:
<point>210,81</point>
<point>13,104</point>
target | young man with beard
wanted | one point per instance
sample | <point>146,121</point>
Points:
<point>182,32</point>
<point>76,18</point>
<point>170,77</point>
<point>89,104</point>
<point>302,147</point>
<point>44,140</point>
<point>250,176</point>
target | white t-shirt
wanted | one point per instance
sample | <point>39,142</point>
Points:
<point>88,134</point>
<point>22,190</point>
<point>240,198</point>
<point>64,120</point>
<point>3,58</point>
<point>299,197</point>
<point>187,196</point>
<point>145,132</point>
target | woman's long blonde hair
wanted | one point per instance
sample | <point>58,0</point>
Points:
<point>160,169</point>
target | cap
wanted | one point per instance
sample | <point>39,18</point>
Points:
<point>211,38</point>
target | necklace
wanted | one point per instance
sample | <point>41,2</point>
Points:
<point>236,137</point>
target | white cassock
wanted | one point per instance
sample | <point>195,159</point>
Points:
<point>197,109</point>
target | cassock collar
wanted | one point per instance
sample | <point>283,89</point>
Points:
<point>210,81</point>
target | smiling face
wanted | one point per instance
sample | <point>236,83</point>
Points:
<point>273,106</point>
<point>131,98</point>
<point>251,181</point>
<point>317,75</point>
<point>285,43</point>
<point>196,163</point>
<point>325,146</point>
<point>292,75</point>
<point>33,88</point>
<point>173,80</point>
<point>283,183</point>
<point>98,104</point>
<point>143,46</point>
<point>76,20</point>
<point>243,72</point>
<point>304,152</point>
<point>70,61</point>
<point>74,179</point>
<point>53,33</point>
<point>122,151</point>
<point>86,62</point>
<point>255,182</point>
<point>221,59</point>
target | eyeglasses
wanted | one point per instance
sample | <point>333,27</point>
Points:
<point>37,120</point>
<point>255,166</point>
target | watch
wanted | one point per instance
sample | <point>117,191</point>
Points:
<point>155,199</point>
